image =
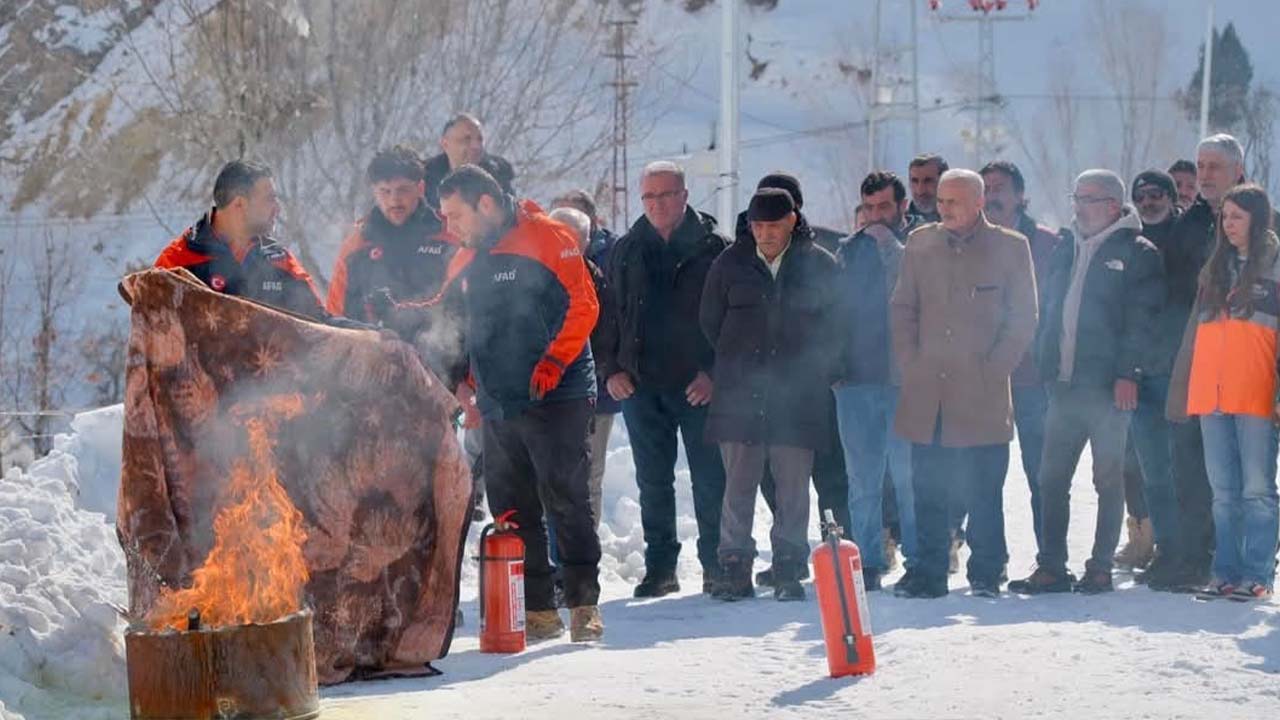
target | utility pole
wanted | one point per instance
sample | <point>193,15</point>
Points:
<point>1205,97</point>
<point>727,180</point>
<point>884,104</point>
<point>620,203</point>
<point>987,14</point>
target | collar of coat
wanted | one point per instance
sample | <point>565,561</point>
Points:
<point>979,227</point>
<point>698,229</point>
<point>421,224</point>
<point>201,239</point>
<point>1128,220</point>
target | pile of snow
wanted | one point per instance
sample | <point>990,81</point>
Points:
<point>62,581</point>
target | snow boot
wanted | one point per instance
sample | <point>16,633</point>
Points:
<point>764,578</point>
<point>709,578</point>
<point>735,580</point>
<point>1043,581</point>
<point>657,582</point>
<point>1139,549</point>
<point>1159,573</point>
<point>542,625</point>
<point>585,624</point>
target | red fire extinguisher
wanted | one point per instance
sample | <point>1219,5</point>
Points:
<point>501,587</point>
<point>842,599</point>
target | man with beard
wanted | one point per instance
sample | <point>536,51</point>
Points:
<point>231,249</point>
<point>1006,206</point>
<point>1184,177</point>
<point>462,143</point>
<point>923,174</point>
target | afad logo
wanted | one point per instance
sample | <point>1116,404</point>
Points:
<point>217,282</point>
<point>376,253</point>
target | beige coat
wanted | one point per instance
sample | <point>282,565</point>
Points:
<point>962,315</point>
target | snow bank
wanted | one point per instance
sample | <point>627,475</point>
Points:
<point>62,577</point>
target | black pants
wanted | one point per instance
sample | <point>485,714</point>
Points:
<point>1195,499</point>
<point>653,417</point>
<point>540,461</point>
<point>1134,498</point>
<point>829,480</point>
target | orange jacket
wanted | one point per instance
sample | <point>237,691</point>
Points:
<point>1234,358</point>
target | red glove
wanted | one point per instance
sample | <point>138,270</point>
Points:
<point>546,376</point>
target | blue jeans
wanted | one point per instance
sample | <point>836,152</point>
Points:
<point>653,418</point>
<point>1240,456</point>
<point>1030,405</point>
<point>1151,437</point>
<point>865,414</point>
<point>979,473</point>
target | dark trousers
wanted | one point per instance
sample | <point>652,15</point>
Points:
<point>1154,440</point>
<point>1195,498</point>
<point>1030,406</point>
<point>829,480</point>
<point>1079,415</point>
<point>1135,500</point>
<point>539,462</point>
<point>978,473</point>
<point>653,418</point>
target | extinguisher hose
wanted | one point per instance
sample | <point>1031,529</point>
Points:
<point>484,535</point>
<point>850,647</point>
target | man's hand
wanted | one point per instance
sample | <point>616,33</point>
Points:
<point>1126,392</point>
<point>620,386</point>
<point>699,391</point>
<point>546,376</point>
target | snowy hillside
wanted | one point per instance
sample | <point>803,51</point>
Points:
<point>1132,653</point>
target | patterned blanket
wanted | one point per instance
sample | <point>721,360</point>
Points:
<point>371,462</point>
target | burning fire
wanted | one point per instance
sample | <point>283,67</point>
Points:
<point>255,572</point>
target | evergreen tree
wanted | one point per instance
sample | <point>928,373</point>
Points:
<point>1232,74</point>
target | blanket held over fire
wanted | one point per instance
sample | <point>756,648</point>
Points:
<point>225,397</point>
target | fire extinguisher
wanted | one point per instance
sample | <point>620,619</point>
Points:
<point>842,600</point>
<point>501,586</point>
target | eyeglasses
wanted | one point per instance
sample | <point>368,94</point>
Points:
<point>1086,200</point>
<point>668,195</point>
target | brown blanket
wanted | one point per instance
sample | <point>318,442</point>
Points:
<point>371,462</point>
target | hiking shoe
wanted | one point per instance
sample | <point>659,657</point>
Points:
<point>585,624</point>
<point>657,583</point>
<point>1097,581</point>
<point>734,582</point>
<point>709,577</point>
<point>1043,581</point>
<point>1160,572</point>
<point>905,585</point>
<point>926,589</point>
<point>766,577</point>
<point>1215,590</point>
<point>788,591</point>
<point>1251,592</point>
<point>542,625</point>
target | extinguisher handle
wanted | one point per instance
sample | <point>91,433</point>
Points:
<point>504,522</point>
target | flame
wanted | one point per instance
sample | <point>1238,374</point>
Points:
<point>255,572</point>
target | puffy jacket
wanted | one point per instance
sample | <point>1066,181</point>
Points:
<point>653,333</point>
<point>867,274</point>
<point>438,167</point>
<point>772,339</point>
<point>1124,289</point>
<point>268,274</point>
<point>527,297</point>
<point>409,260</point>
<point>1228,361</point>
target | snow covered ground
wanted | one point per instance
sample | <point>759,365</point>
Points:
<point>1132,653</point>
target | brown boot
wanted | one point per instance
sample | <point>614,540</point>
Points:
<point>542,625</point>
<point>585,624</point>
<point>1140,547</point>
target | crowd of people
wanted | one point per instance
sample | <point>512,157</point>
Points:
<point>1147,330</point>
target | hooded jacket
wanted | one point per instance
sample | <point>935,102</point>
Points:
<point>1103,297</point>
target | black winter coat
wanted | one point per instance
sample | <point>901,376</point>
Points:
<point>774,358</point>
<point>652,331</point>
<point>1124,290</point>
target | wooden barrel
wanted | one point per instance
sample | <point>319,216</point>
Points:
<point>242,672</point>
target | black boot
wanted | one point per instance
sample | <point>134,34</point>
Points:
<point>657,582</point>
<point>735,580</point>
